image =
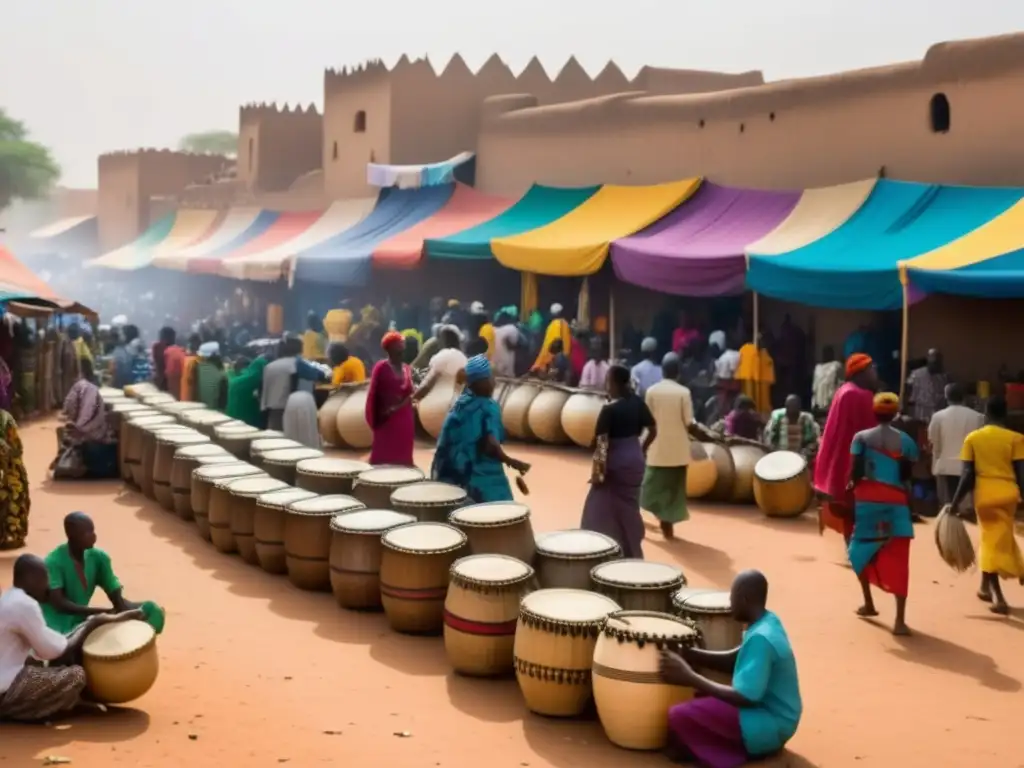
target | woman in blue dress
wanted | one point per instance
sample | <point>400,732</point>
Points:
<point>469,452</point>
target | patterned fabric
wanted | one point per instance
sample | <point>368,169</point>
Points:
<point>781,434</point>
<point>14,495</point>
<point>828,377</point>
<point>927,391</point>
<point>613,506</point>
<point>38,693</point>
<point>459,459</point>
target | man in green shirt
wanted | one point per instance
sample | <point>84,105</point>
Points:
<point>76,569</point>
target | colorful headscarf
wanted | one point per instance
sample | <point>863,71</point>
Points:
<point>478,368</point>
<point>886,404</point>
<point>390,338</point>
<point>857,363</point>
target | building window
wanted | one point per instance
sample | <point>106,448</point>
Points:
<point>359,125</point>
<point>334,151</point>
<point>250,153</point>
<point>940,113</point>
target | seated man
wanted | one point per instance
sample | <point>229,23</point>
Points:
<point>755,716</point>
<point>28,690</point>
<point>76,569</point>
<point>793,429</point>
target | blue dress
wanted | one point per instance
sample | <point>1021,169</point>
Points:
<point>459,458</point>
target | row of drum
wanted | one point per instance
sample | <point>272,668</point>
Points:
<point>561,610</point>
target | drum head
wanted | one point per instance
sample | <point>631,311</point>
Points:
<point>711,601</point>
<point>290,455</point>
<point>234,430</point>
<point>569,605</point>
<point>326,465</point>
<point>779,466</point>
<point>369,521</point>
<point>391,476</point>
<point>683,594</point>
<point>428,492</point>
<point>573,544</point>
<point>214,472</point>
<point>114,641</point>
<point>176,407</point>
<point>255,486</point>
<point>648,625</point>
<point>273,444</point>
<point>206,418</point>
<point>202,449</point>
<point>217,458</point>
<point>151,421</point>
<point>425,538</point>
<point>182,438</point>
<point>132,407</point>
<point>639,574</point>
<point>106,392</point>
<point>158,399</point>
<point>493,513</point>
<point>169,429</point>
<point>282,498</point>
<point>492,569</point>
<point>325,505</point>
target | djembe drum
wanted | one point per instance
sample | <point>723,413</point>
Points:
<point>204,479</point>
<point>632,700</point>
<point>356,554</point>
<point>566,558</point>
<point>414,570</point>
<point>327,418</point>
<point>429,501</point>
<point>118,420</point>
<point>120,660</point>
<point>268,527</point>
<point>374,486</point>
<point>167,446</point>
<point>263,445</point>
<point>638,585</point>
<point>782,484</point>
<point>544,417</point>
<point>711,611</point>
<point>281,464</point>
<point>554,648</point>
<point>725,474</point>
<point>497,528</point>
<point>241,531</point>
<point>185,461</point>
<point>205,421</point>
<point>327,475</point>
<point>745,458</point>
<point>351,419</point>
<point>481,612</point>
<point>133,442</point>
<point>235,438</point>
<point>307,539</point>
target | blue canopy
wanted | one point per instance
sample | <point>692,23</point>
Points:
<point>857,265</point>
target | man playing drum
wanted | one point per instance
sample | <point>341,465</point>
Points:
<point>28,690</point>
<point>76,569</point>
<point>731,725</point>
<point>793,429</point>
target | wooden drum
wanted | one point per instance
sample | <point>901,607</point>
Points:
<point>701,474</point>
<point>185,460</point>
<point>118,419</point>
<point>632,701</point>
<point>782,484</point>
<point>327,417</point>
<point>745,458</point>
<point>414,568</point>
<point>497,528</point>
<point>725,475</point>
<point>434,407</point>
<point>167,445</point>
<point>638,585</point>
<point>481,612</point>
<point>140,389</point>
<point>566,558</point>
<point>327,475</point>
<point>428,501</point>
<point>108,392</point>
<point>133,442</point>
<point>307,539</point>
<point>282,463</point>
<point>175,408</point>
<point>579,415</point>
<point>205,420</point>
<point>120,660</point>
<point>351,419</point>
<point>235,438</point>
<point>241,531</point>
<point>711,611</point>
<point>514,411</point>
<point>157,399</point>
<point>544,417</point>
<point>203,480</point>
<point>356,554</point>
<point>374,486</point>
<point>554,648</point>
<point>268,527</point>
<point>147,464</point>
<point>263,445</point>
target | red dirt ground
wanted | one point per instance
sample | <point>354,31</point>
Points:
<point>257,673</point>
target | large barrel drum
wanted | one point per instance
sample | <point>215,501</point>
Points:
<point>745,458</point>
<point>435,406</point>
<point>725,474</point>
<point>307,539</point>
<point>351,420</point>
<point>544,418</point>
<point>579,415</point>
<point>702,474</point>
<point>327,417</point>
<point>515,411</point>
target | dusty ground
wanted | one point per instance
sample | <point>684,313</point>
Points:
<point>256,673</point>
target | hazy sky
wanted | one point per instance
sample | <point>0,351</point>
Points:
<point>90,76</point>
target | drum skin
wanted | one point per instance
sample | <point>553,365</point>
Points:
<point>356,554</point>
<point>328,476</point>
<point>351,420</point>
<point>709,610</point>
<point>564,559</point>
<point>544,417</point>
<point>283,464</point>
<point>121,661</point>
<point>638,585</point>
<point>579,416</point>
<point>783,498</point>
<point>726,471</point>
<point>517,407</point>
<point>744,457</point>
<point>435,406</point>
<point>428,501</point>
<point>376,494</point>
<point>702,474</point>
<point>328,418</point>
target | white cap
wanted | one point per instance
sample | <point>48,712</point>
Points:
<point>476,308</point>
<point>556,309</point>
<point>649,344</point>
<point>209,349</point>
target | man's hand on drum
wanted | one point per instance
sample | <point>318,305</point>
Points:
<point>675,670</point>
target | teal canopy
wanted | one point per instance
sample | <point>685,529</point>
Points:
<point>537,208</point>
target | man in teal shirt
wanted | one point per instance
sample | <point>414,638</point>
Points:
<point>756,715</point>
<point>76,569</point>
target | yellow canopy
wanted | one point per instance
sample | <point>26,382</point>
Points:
<point>577,244</point>
<point>997,237</point>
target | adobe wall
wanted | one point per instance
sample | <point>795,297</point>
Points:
<point>278,145</point>
<point>789,134</point>
<point>346,151</point>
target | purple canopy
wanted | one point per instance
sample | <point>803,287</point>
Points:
<point>698,249</point>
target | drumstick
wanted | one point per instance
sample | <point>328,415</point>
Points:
<point>521,485</point>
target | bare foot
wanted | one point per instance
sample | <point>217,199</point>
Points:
<point>985,596</point>
<point>668,530</point>
<point>866,611</point>
<point>901,630</point>
<point>1002,609</point>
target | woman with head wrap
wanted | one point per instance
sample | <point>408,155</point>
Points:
<point>852,411</point>
<point>469,452</point>
<point>558,330</point>
<point>389,405</point>
<point>210,385</point>
<point>879,546</point>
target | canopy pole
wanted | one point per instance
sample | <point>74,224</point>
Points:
<point>905,334</point>
<point>611,322</point>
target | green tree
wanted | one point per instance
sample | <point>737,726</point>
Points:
<point>27,169</point>
<point>211,143</point>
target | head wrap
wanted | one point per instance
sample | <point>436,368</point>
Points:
<point>649,344</point>
<point>119,320</point>
<point>209,349</point>
<point>556,309</point>
<point>477,308</point>
<point>857,363</point>
<point>390,339</point>
<point>477,369</point>
<point>887,404</point>
<point>510,310</point>
<point>717,338</point>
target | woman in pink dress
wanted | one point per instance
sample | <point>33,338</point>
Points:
<point>389,405</point>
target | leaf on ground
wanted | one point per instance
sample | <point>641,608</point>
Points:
<point>56,760</point>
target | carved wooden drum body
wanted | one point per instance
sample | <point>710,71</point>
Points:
<point>374,486</point>
<point>268,527</point>
<point>307,539</point>
<point>355,557</point>
<point>497,528</point>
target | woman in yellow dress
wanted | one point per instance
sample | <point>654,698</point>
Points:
<point>993,458</point>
